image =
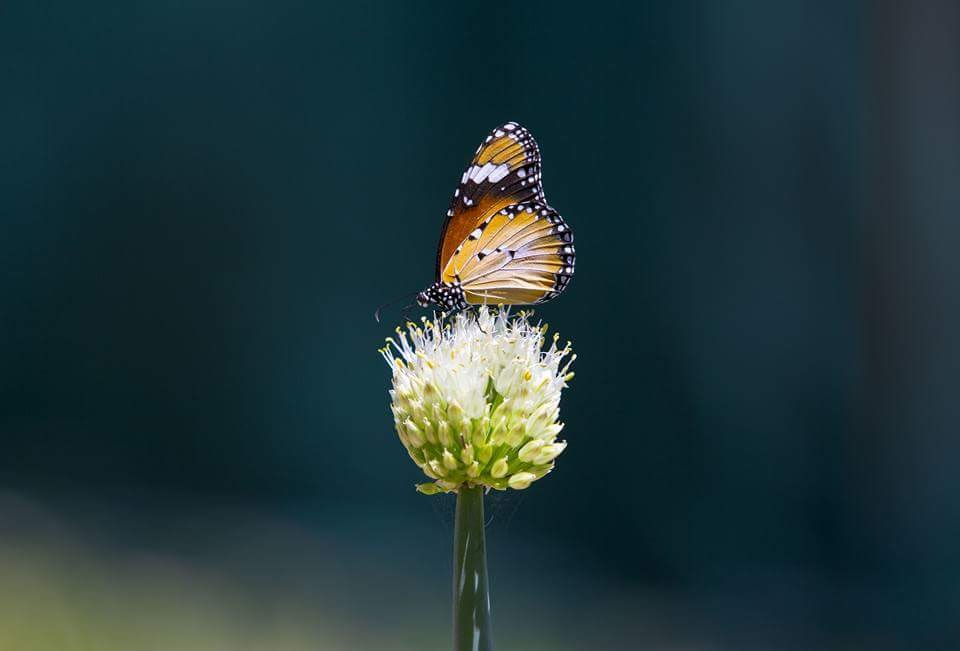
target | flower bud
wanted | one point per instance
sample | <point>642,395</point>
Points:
<point>485,453</point>
<point>549,452</point>
<point>437,468</point>
<point>428,489</point>
<point>529,451</point>
<point>414,435</point>
<point>455,411</point>
<point>499,468</point>
<point>429,435</point>
<point>499,430</point>
<point>449,460</point>
<point>481,430</point>
<point>515,435</point>
<point>443,434</point>
<point>521,480</point>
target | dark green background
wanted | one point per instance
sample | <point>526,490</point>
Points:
<point>203,203</point>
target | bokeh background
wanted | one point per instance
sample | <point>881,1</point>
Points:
<point>201,204</point>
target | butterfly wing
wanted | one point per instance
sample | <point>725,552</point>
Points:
<point>522,254</point>
<point>505,171</point>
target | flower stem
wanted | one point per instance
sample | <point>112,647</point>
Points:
<point>471,595</point>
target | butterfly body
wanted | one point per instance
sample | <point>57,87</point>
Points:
<point>501,242</point>
<point>447,296</point>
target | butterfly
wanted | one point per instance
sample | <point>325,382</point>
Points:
<point>501,242</point>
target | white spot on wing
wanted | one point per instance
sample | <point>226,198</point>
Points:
<point>488,172</point>
<point>477,174</point>
<point>499,172</point>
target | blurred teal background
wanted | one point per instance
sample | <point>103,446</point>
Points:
<point>202,203</point>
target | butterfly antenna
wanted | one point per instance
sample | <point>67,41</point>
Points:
<point>379,310</point>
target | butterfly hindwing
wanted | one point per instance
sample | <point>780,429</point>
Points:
<point>504,171</point>
<point>521,254</point>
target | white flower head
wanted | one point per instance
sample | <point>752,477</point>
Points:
<point>476,400</point>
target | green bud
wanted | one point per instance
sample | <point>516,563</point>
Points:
<point>437,468</point>
<point>428,431</point>
<point>499,468</point>
<point>414,435</point>
<point>537,420</point>
<point>449,460</point>
<point>429,489</point>
<point>455,411</point>
<point>485,453</point>
<point>443,434</point>
<point>549,452</point>
<point>550,432</point>
<point>515,435</point>
<point>529,451</point>
<point>415,407</point>
<point>481,430</point>
<point>521,480</point>
<point>499,431</point>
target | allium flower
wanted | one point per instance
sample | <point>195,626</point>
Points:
<point>476,400</point>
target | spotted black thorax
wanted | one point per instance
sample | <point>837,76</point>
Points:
<point>447,296</point>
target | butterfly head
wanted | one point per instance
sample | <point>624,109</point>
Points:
<point>446,296</point>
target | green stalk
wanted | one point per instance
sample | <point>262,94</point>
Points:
<point>471,595</point>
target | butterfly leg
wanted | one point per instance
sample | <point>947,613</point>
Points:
<point>479,324</point>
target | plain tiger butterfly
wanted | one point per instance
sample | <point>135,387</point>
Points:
<point>501,242</point>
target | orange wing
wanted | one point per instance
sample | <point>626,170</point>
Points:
<point>522,254</point>
<point>504,171</point>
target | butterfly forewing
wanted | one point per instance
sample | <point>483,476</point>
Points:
<point>505,171</point>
